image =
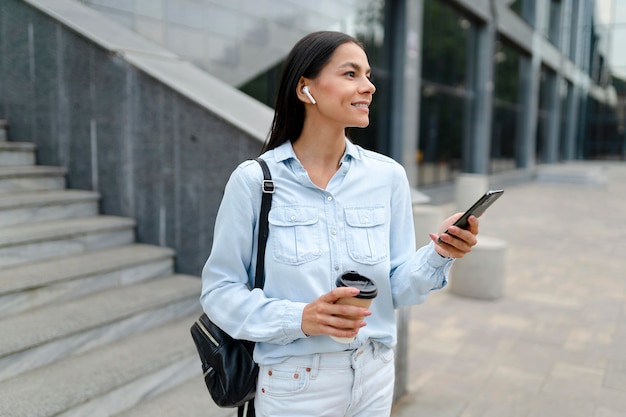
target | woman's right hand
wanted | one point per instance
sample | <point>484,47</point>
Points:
<point>322,315</point>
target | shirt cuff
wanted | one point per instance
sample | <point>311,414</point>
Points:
<point>292,322</point>
<point>435,259</point>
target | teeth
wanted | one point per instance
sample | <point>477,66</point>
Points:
<point>360,105</point>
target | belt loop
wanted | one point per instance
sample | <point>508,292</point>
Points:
<point>315,365</point>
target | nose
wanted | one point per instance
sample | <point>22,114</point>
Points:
<point>368,86</point>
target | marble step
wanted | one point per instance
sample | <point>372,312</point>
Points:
<point>35,206</point>
<point>36,284</point>
<point>27,242</point>
<point>189,399</point>
<point>39,337</point>
<point>107,380</point>
<point>31,178</point>
<point>17,153</point>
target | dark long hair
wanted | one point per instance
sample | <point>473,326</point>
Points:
<point>306,59</point>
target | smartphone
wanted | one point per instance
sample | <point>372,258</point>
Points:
<point>479,207</point>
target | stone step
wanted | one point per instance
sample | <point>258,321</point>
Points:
<point>17,153</point>
<point>36,206</point>
<point>27,242</point>
<point>51,333</point>
<point>189,399</point>
<point>36,284</point>
<point>107,380</point>
<point>31,178</point>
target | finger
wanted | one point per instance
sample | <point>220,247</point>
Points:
<point>441,247</point>
<point>464,235</point>
<point>473,222</point>
<point>347,319</point>
<point>349,311</point>
<point>434,237</point>
<point>462,242</point>
<point>444,239</point>
<point>339,292</point>
<point>454,244</point>
<point>346,323</point>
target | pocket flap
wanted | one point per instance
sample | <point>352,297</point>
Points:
<point>365,217</point>
<point>293,216</point>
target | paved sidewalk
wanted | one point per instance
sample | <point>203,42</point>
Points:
<point>555,344</point>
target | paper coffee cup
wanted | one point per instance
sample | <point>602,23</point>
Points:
<point>368,292</point>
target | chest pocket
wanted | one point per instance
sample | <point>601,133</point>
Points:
<point>365,234</point>
<point>295,233</point>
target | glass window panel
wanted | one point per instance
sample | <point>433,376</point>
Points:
<point>554,28</point>
<point>525,9</point>
<point>444,54</point>
<point>574,29</point>
<point>441,133</point>
<point>548,78</point>
<point>446,96</point>
<point>506,107</point>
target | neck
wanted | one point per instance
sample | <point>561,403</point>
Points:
<point>319,153</point>
<point>320,156</point>
<point>320,146</point>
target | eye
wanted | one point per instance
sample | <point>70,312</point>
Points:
<point>350,74</point>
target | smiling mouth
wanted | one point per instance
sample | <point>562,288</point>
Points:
<point>363,105</point>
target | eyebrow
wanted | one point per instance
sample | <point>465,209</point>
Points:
<point>355,66</point>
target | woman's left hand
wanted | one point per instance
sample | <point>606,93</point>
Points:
<point>452,241</point>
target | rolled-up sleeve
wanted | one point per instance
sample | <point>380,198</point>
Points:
<point>414,274</point>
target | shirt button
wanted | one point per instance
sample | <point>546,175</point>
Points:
<point>293,218</point>
<point>330,197</point>
<point>336,267</point>
<point>334,232</point>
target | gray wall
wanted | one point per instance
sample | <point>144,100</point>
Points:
<point>154,154</point>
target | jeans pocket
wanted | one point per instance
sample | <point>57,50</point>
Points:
<point>283,380</point>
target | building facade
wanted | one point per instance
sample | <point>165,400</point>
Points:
<point>463,86</point>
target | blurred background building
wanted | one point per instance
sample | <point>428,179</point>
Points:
<point>489,86</point>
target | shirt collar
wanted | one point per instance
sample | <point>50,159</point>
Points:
<point>285,151</point>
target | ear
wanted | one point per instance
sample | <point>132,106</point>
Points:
<point>301,96</point>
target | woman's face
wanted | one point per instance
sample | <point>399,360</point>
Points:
<point>343,89</point>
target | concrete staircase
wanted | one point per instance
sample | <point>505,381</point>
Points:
<point>91,323</point>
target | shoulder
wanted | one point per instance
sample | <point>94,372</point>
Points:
<point>377,161</point>
<point>245,180</point>
<point>248,171</point>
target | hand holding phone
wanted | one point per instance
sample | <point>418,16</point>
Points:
<point>478,208</point>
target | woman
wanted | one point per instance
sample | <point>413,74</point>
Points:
<point>337,207</point>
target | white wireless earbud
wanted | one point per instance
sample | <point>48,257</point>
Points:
<point>305,90</point>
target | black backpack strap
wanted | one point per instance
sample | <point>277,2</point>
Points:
<point>246,410</point>
<point>266,202</point>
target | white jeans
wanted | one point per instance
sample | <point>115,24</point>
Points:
<point>353,383</point>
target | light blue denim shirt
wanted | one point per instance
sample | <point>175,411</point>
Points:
<point>362,221</point>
